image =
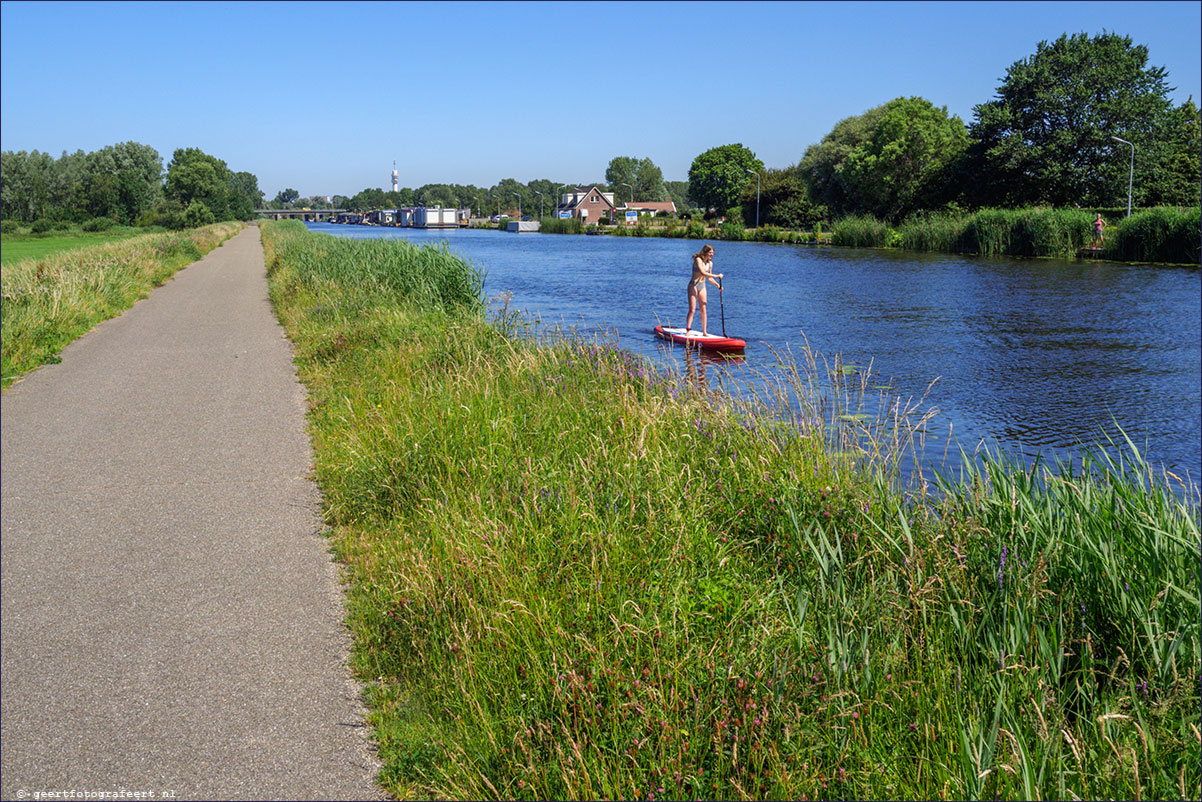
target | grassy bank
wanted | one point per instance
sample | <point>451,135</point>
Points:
<point>50,301</point>
<point>18,247</point>
<point>570,577</point>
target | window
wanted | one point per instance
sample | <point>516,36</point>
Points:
<point>593,199</point>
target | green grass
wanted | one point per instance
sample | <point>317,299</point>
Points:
<point>50,301</point>
<point>570,576</point>
<point>17,247</point>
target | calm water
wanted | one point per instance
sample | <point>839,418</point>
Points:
<point>1034,356</point>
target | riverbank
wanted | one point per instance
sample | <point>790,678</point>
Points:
<point>1161,235</point>
<point>573,577</point>
<point>49,301</point>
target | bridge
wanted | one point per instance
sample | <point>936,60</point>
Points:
<point>308,215</point>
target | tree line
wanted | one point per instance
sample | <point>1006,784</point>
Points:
<point>125,184</point>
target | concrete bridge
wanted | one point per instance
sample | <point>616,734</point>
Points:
<point>308,215</point>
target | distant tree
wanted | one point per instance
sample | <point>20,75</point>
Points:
<point>245,195</point>
<point>368,199</point>
<point>1046,138</point>
<point>285,198</point>
<point>678,193</point>
<point>718,176</point>
<point>437,195</point>
<point>906,162</point>
<point>645,179</point>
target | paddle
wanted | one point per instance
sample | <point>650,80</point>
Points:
<point>722,306</point>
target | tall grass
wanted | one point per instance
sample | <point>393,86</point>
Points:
<point>1162,234</point>
<point>49,302</point>
<point>557,225</point>
<point>571,576</point>
<point>861,231</point>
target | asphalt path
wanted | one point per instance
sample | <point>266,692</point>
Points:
<point>172,619</point>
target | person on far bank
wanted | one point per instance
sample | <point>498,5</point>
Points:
<point>703,271</point>
<point>1099,229</point>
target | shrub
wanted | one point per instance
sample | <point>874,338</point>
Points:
<point>732,231</point>
<point>197,215</point>
<point>98,224</point>
<point>9,227</point>
<point>41,226</point>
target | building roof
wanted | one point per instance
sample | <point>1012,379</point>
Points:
<point>652,206</point>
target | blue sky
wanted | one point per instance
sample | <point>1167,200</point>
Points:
<point>323,97</point>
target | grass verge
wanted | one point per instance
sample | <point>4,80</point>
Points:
<point>572,577</point>
<point>49,302</point>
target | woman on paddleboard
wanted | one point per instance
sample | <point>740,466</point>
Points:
<point>703,271</point>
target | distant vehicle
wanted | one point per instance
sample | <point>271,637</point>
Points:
<point>496,218</point>
<point>526,218</point>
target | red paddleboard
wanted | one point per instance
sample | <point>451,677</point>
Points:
<point>692,337</point>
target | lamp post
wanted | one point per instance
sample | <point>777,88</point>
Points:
<point>757,195</point>
<point>558,197</point>
<point>540,204</point>
<point>519,197</point>
<point>1130,173</point>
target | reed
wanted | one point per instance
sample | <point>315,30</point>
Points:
<point>1161,234</point>
<point>49,302</point>
<point>556,225</point>
<point>572,576</point>
<point>861,231</point>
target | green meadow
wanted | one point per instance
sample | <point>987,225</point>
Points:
<point>573,576</point>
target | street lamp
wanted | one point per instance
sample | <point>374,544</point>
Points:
<point>1130,174</point>
<point>519,197</point>
<point>540,204</point>
<point>757,196</point>
<point>623,183</point>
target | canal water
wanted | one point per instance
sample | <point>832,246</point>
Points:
<point>1032,357</point>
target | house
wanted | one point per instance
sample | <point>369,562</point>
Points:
<point>590,204</point>
<point>649,208</point>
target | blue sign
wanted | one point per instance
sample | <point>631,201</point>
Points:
<point>564,215</point>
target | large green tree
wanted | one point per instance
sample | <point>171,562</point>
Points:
<point>194,175</point>
<point>907,161</point>
<point>821,166</point>
<point>1047,138</point>
<point>121,181</point>
<point>718,176</point>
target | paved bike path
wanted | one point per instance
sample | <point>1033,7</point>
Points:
<point>172,620</point>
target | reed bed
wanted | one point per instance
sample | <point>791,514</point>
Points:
<point>572,576</point>
<point>49,302</point>
<point>861,231</point>
<point>1162,234</point>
